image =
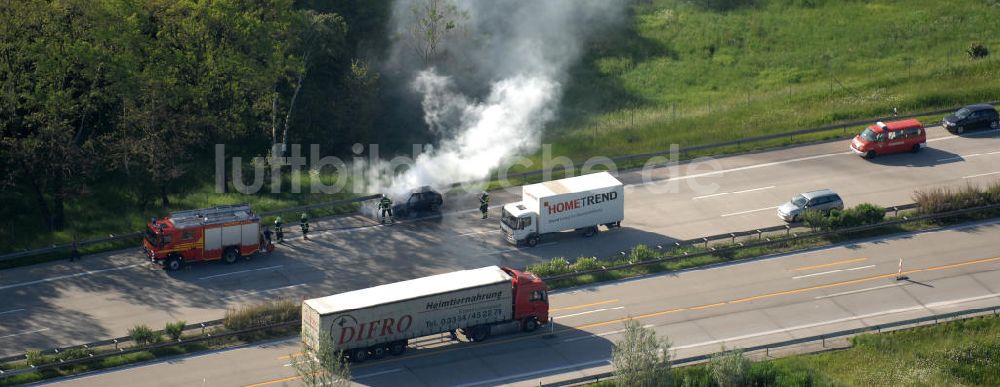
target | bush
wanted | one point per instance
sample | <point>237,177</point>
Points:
<point>938,200</point>
<point>557,265</point>
<point>860,215</point>
<point>271,312</point>
<point>35,357</point>
<point>142,335</point>
<point>175,329</point>
<point>586,263</point>
<point>75,353</point>
<point>978,50</point>
<point>642,253</point>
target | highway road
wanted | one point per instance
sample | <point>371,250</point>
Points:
<point>735,305</point>
<point>64,303</point>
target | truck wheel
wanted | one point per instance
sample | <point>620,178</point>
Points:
<point>479,334</point>
<point>377,351</point>
<point>173,264</point>
<point>231,255</point>
<point>530,324</point>
<point>359,355</point>
<point>532,241</point>
<point>590,231</point>
<point>397,348</point>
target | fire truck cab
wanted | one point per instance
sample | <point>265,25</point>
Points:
<point>208,234</point>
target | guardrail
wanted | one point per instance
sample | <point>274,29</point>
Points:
<point>911,323</point>
<point>769,241</point>
<point>790,135</point>
<point>124,351</point>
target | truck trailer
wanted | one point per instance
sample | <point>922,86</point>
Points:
<point>370,323</point>
<point>580,203</point>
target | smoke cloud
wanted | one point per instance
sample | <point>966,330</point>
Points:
<point>494,84</point>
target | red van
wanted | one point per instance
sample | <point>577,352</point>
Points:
<point>890,137</point>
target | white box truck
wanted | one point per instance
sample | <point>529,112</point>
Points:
<point>579,203</point>
<point>370,323</point>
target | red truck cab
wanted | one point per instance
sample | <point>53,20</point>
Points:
<point>890,137</point>
<point>531,299</point>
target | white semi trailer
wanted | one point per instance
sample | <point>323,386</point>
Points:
<point>373,322</point>
<point>580,203</point>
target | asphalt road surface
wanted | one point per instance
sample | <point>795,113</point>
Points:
<point>736,305</point>
<point>63,303</point>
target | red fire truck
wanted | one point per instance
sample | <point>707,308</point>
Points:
<point>208,234</point>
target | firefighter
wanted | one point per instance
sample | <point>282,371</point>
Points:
<point>385,205</point>
<point>266,243</point>
<point>484,204</point>
<point>278,232</point>
<point>304,222</point>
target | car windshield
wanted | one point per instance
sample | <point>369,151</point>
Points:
<point>510,220</point>
<point>962,113</point>
<point>151,238</point>
<point>869,134</point>
<point>799,200</point>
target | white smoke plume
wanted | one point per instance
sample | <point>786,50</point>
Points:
<point>497,87</point>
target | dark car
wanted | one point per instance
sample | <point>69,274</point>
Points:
<point>423,199</point>
<point>981,116</point>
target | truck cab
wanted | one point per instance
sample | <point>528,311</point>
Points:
<point>531,299</point>
<point>518,223</point>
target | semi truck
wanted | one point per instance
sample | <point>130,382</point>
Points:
<point>580,203</point>
<point>208,234</point>
<point>373,322</point>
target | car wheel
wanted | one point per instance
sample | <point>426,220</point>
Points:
<point>916,148</point>
<point>231,255</point>
<point>397,347</point>
<point>359,355</point>
<point>377,352</point>
<point>530,324</point>
<point>870,155</point>
<point>995,124</point>
<point>532,241</point>
<point>173,264</point>
<point>959,129</point>
<point>479,334</point>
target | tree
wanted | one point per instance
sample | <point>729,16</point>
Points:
<point>321,34</point>
<point>433,21</point>
<point>639,358</point>
<point>730,368</point>
<point>322,366</point>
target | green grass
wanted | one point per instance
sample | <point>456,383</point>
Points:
<point>964,352</point>
<point>680,74</point>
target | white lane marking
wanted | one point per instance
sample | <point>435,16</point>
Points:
<point>479,232</point>
<point>62,277</point>
<point>753,189</point>
<point>24,333</point>
<point>747,212</point>
<point>495,381</point>
<point>839,320</point>
<point>263,291</point>
<point>981,174</point>
<point>378,373</point>
<point>859,290</point>
<point>12,311</point>
<point>833,271</point>
<point>596,335</point>
<point>816,274</point>
<point>709,196</point>
<point>240,272</point>
<point>588,312</point>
